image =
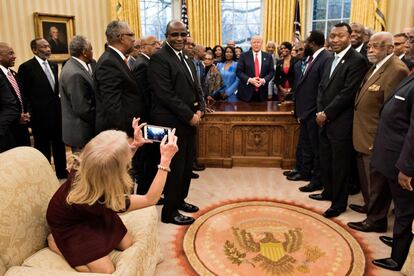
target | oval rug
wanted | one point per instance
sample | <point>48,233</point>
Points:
<point>270,238</point>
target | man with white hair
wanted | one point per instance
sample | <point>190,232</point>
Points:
<point>255,69</point>
<point>383,77</point>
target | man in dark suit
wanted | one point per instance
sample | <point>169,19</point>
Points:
<point>116,92</point>
<point>357,39</point>
<point>19,129</point>
<point>148,156</point>
<point>78,95</point>
<point>306,93</point>
<point>341,79</point>
<point>176,104</point>
<point>255,69</point>
<point>39,79</point>
<point>379,82</point>
<point>408,59</point>
<point>393,157</point>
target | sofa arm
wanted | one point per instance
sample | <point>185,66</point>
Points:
<point>34,271</point>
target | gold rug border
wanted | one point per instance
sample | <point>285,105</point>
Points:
<point>199,267</point>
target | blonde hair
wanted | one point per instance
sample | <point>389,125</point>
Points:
<point>103,172</point>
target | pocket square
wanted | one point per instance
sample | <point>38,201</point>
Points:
<point>399,98</point>
<point>374,88</point>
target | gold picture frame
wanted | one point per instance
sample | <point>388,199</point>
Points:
<point>58,30</point>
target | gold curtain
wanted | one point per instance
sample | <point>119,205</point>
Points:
<point>364,12</point>
<point>204,21</point>
<point>127,10</point>
<point>279,16</point>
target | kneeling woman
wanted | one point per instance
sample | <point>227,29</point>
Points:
<point>82,214</point>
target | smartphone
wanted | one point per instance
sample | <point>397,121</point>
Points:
<point>155,133</point>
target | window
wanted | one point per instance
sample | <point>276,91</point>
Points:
<point>327,13</point>
<point>155,15</point>
<point>240,20</point>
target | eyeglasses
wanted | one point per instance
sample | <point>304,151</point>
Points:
<point>398,43</point>
<point>377,45</point>
<point>128,34</point>
<point>411,39</point>
<point>176,34</point>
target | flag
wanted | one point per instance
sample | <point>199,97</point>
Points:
<point>379,15</point>
<point>296,23</point>
<point>184,17</point>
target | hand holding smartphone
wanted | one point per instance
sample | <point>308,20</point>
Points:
<point>155,133</point>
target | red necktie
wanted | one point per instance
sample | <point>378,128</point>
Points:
<point>256,69</point>
<point>13,82</point>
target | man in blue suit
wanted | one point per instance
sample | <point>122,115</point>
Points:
<point>254,69</point>
<point>306,86</point>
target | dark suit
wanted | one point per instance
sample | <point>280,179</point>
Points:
<point>306,93</point>
<point>78,104</point>
<point>176,97</point>
<point>19,131</point>
<point>245,70</point>
<point>9,114</point>
<point>116,94</point>
<point>394,152</point>
<point>45,111</point>
<point>336,98</point>
<point>58,47</point>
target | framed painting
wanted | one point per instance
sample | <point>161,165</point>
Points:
<point>57,30</point>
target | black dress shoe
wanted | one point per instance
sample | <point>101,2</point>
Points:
<point>318,197</point>
<point>297,177</point>
<point>365,226</point>
<point>178,219</point>
<point>160,201</point>
<point>187,207</point>
<point>331,212</point>
<point>386,240</point>
<point>198,167</point>
<point>311,187</point>
<point>291,172</point>
<point>387,263</point>
<point>194,175</point>
<point>358,208</point>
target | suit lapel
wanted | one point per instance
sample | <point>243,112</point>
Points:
<point>313,63</point>
<point>340,64</point>
<point>42,74</point>
<point>368,82</point>
<point>122,63</point>
<point>85,72</point>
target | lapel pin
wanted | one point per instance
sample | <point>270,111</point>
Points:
<point>343,61</point>
<point>264,58</point>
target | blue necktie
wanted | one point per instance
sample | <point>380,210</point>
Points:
<point>334,64</point>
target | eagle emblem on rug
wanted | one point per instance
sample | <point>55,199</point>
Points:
<point>274,256</point>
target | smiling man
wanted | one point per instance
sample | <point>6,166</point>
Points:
<point>176,104</point>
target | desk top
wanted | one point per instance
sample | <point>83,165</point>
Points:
<point>272,107</point>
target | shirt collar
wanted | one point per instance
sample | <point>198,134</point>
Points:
<point>317,53</point>
<point>359,48</point>
<point>401,56</point>
<point>81,62</point>
<point>4,69</point>
<point>384,60</point>
<point>175,51</point>
<point>145,55</point>
<point>343,53</point>
<point>41,61</point>
<point>119,52</point>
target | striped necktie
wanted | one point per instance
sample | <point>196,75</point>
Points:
<point>13,82</point>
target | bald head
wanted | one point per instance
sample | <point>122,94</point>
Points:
<point>7,56</point>
<point>149,45</point>
<point>176,34</point>
<point>380,45</point>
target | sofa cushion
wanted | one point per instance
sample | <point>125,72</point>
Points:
<point>27,182</point>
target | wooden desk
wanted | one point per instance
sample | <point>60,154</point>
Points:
<point>248,134</point>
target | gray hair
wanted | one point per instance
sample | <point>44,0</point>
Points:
<point>78,45</point>
<point>114,30</point>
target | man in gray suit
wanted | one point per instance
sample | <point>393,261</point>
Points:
<point>78,95</point>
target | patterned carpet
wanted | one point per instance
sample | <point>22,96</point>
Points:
<point>262,237</point>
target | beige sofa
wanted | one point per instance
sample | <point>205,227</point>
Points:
<point>408,268</point>
<point>27,182</point>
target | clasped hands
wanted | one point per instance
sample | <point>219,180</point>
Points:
<point>168,145</point>
<point>24,118</point>
<point>321,118</point>
<point>196,118</point>
<point>256,81</point>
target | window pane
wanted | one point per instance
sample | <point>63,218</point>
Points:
<point>334,9</point>
<point>240,20</point>
<point>319,9</point>
<point>331,24</point>
<point>155,15</point>
<point>347,8</point>
<point>319,26</point>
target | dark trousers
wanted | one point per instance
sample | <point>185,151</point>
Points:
<point>335,159</point>
<point>144,165</point>
<point>49,145</point>
<point>178,180</point>
<point>379,198</point>
<point>309,134</point>
<point>363,162</point>
<point>298,155</point>
<point>404,215</point>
